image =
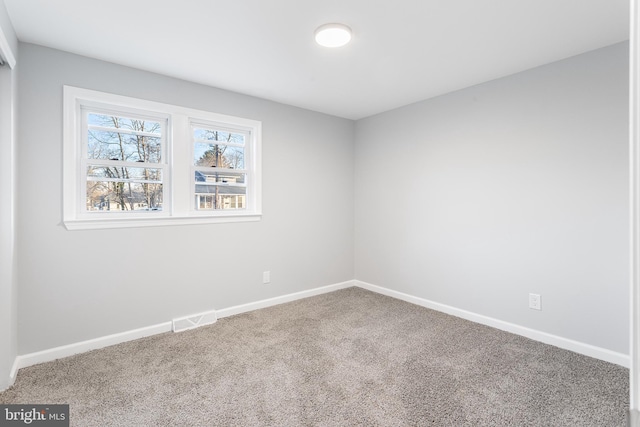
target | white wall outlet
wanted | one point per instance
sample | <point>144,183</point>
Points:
<point>535,302</point>
<point>266,277</point>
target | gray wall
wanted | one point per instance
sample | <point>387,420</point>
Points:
<point>476,198</point>
<point>78,285</point>
<point>472,199</point>
<point>8,264</point>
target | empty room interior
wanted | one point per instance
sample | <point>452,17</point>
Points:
<point>210,218</point>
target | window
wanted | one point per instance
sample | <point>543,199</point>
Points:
<point>130,163</point>
<point>125,161</point>
<point>220,175</point>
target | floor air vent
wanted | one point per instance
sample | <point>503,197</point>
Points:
<point>194,321</point>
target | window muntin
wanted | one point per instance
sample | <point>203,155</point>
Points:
<point>150,175</point>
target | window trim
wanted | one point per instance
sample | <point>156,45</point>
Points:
<point>179,180</point>
<point>247,159</point>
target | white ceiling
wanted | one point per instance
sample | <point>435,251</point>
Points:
<point>402,51</point>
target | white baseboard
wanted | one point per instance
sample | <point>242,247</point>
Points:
<point>209,316</point>
<point>225,312</point>
<point>564,343</point>
<point>14,372</point>
<point>12,376</point>
<point>31,359</point>
<point>634,418</point>
<point>93,344</point>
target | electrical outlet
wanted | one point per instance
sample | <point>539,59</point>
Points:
<point>535,302</point>
<point>266,277</point>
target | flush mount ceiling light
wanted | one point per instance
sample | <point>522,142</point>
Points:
<point>333,35</point>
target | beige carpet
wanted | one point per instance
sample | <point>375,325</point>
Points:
<point>347,358</point>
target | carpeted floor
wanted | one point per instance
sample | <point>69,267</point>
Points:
<point>347,358</point>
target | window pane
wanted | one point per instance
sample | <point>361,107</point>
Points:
<point>212,197</point>
<point>122,138</point>
<point>214,176</point>
<point>129,173</point>
<point>121,146</point>
<point>123,196</point>
<point>217,155</point>
<point>124,123</point>
<point>218,135</point>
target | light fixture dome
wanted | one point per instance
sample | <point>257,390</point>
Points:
<point>333,35</point>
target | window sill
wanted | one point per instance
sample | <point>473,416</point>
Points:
<point>108,223</point>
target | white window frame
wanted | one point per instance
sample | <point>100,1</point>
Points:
<point>84,161</point>
<point>248,157</point>
<point>178,178</point>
